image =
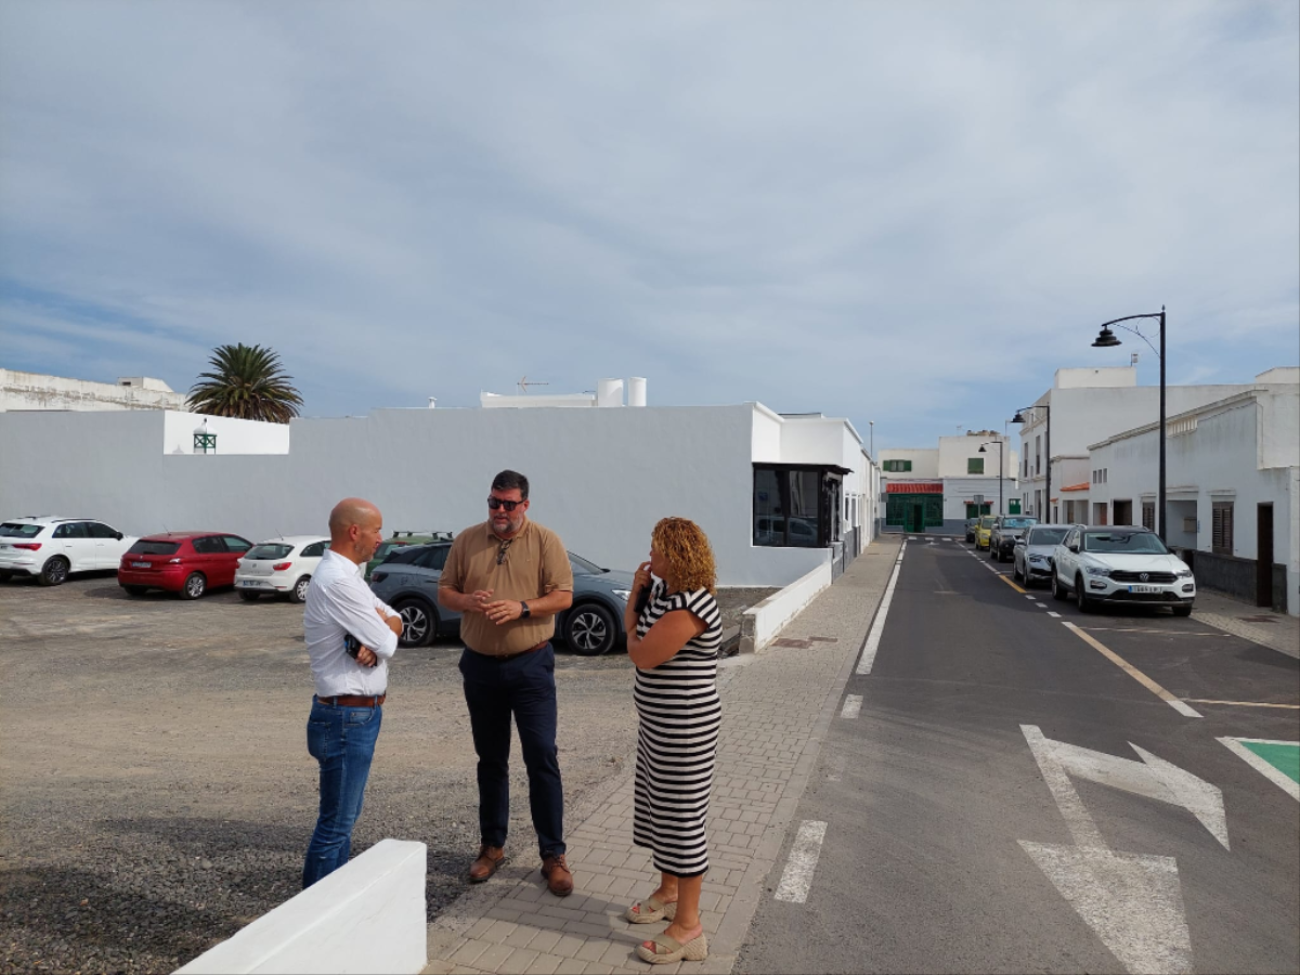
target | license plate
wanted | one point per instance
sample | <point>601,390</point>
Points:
<point>249,583</point>
<point>140,565</point>
<point>1143,588</point>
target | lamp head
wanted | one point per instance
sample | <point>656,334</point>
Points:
<point>1106,339</point>
<point>982,450</point>
<point>1018,418</point>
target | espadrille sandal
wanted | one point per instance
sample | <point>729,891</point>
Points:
<point>650,910</point>
<point>668,950</point>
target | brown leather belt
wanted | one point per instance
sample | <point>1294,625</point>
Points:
<point>353,701</point>
<point>511,656</point>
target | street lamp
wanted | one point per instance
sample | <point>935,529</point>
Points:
<point>1018,418</point>
<point>1106,340</point>
<point>998,444</point>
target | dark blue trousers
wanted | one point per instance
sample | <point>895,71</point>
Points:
<point>525,688</point>
<point>342,740</point>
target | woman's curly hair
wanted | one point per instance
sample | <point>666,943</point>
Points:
<point>686,547</point>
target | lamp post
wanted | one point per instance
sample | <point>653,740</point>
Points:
<point>998,443</point>
<point>1018,418</point>
<point>1106,340</point>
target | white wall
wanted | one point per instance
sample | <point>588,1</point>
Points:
<point>954,452</point>
<point>233,436</point>
<point>600,477</point>
<point>37,391</point>
<point>925,463</point>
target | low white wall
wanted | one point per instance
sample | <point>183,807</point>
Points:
<point>369,916</point>
<point>761,623</point>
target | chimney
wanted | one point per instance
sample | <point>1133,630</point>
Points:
<point>636,391</point>
<point>609,392</point>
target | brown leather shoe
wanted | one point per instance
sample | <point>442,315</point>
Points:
<point>558,878</point>
<point>489,859</point>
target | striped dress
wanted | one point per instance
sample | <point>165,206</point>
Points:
<point>678,738</point>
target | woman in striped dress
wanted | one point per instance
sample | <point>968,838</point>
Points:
<point>674,644</point>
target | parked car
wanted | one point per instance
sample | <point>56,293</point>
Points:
<point>1031,559</point>
<point>408,581</point>
<point>401,540</point>
<point>188,563</point>
<point>52,548</point>
<point>971,523</point>
<point>280,567</point>
<point>1120,564</point>
<point>1006,529</point>
<point>984,531</point>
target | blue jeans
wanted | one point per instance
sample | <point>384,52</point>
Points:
<point>525,687</point>
<point>342,740</point>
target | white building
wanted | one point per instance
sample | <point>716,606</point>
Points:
<point>1086,406</point>
<point>1232,487</point>
<point>36,391</point>
<point>936,488</point>
<point>777,495</point>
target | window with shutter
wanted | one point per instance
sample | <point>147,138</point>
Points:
<point>1221,531</point>
<point>1149,516</point>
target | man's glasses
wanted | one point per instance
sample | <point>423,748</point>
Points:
<point>502,549</point>
<point>495,503</point>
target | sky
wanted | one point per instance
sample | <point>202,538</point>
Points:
<point>907,213</point>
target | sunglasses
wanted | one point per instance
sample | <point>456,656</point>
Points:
<point>495,503</point>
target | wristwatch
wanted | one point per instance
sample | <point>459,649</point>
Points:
<point>524,611</point>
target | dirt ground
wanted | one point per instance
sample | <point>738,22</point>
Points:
<point>157,791</point>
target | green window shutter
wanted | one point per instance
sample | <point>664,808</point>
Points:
<point>974,465</point>
<point>907,465</point>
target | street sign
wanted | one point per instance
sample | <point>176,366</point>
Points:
<point>979,499</point>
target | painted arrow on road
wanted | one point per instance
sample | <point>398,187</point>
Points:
<point>1134,903</point>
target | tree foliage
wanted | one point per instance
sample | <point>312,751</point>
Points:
<point>248,382</point>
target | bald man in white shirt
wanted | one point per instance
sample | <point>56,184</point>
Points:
<point>351,635</point>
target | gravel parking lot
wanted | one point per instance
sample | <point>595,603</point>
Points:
<point>158,794</point>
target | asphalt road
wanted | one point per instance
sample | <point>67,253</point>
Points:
<point>959,837</point>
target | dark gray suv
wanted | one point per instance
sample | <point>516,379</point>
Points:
<point>408,581</point>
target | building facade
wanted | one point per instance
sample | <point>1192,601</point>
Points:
<point>777,495</point>
<point>1232,488</point>
<point>935,489</point>
<point>36,391</point>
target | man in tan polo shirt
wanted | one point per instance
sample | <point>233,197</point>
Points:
<point>509,577</point>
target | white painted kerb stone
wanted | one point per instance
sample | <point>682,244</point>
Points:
<point>368,916</point>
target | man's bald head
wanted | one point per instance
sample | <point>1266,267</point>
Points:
<point>356,529</point>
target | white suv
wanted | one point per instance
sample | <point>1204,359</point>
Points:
<point>280,567</point>
<point>51,548</point>
<point>1124,564</point>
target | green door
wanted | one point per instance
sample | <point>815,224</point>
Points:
<point>916,515</point>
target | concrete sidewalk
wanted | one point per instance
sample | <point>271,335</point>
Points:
<point>777,708</point>
<point>1259,624</point>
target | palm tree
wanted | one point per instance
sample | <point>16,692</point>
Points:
<point>247,382</point>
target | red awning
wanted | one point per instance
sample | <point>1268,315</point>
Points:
<point>914,487</point>
<point>1078,487</point>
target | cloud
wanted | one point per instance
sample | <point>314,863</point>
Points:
<point>910,213</point>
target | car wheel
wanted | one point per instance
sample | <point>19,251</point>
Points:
<point>1015,570</point>
<point>54,572</point>
<point>136,590</point>
<point>1182,611</point>
<point>195,586</point>
<point>1058,590</point>
<point>590,630</point>
<point>248,597</point>
<point>1081,597</point>
<point>299,592</point>
<point>419,623</point>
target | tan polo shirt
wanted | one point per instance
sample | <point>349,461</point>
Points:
<point>534,565</point>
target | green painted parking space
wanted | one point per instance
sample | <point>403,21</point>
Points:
<point>1283,756</point>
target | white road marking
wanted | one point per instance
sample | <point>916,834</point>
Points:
<point>1134,903</point>
<point>872,644</point>
<point>852,705</point>
<point>1031,597</point>
<point>1274,775</point>
<point>1054,615</point>
<point>797,878</point>
<point>1041,605</point>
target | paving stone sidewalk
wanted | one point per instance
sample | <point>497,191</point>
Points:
<point>777,708</point>
<point>1258,624</point>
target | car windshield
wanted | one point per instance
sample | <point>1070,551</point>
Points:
<point>17,529</point>
<point>146,547</point>
<point>269,551</point>
<point>403,554</point>
<point>582,567</point>
<point>1047,536</point>
<point>1126,543</point>
<point>1018,522</point>
<point>987,522</point>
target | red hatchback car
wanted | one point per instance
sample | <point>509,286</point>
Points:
<point>189,563</point>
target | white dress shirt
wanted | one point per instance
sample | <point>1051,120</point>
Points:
<point>340,602</point>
